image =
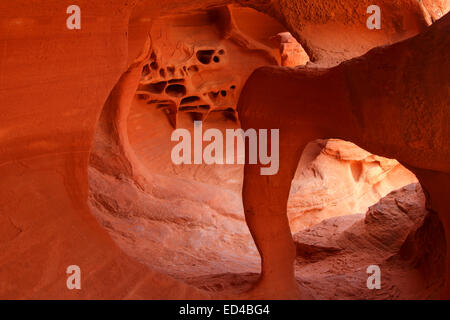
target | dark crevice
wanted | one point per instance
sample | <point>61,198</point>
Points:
<point>176,90</point>
<point>189,99</point>
<point>204,56</point>
<point>187,108</point>
<point>176,80</point>
<point>157,87</point>
<point>154,65</point>
<point>145,70</point>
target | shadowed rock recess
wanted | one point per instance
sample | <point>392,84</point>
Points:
<point>87,176</point>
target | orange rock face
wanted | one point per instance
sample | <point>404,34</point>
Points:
<point>352,243</point>
<point>361,106</point>
<point>336,177</point>
<point>87,177</point>
<point>201,61</point>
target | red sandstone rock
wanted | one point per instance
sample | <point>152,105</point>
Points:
<point>341,178</point>
<point>171,220</point>
<point>292,53</point>
<point>46,135</point>
<point>332,257</point>
<point>58,125</point>
<point>361,105</point>
<point>437,8</point>
<point>343,247</point>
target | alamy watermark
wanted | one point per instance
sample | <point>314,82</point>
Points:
<point>73,22</point>
<point>214,153</point>
<point>374,280</point>
<point>374,20</point>
<point>74,279</point>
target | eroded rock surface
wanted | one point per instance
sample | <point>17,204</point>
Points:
<point>201,61</point>
<point>332,257</point>
<point>343,248</point>
<point>336,177</point>
<point>361,106</point>
<point>197,219</point>
<point>79,141</point>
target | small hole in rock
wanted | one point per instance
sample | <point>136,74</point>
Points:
<point>159,101</point>
<point>189,99</point>
<point>154,65</point>
<point>143,96</point>
<point>216,59</point>
<point>176,90</point>
<point>145,70</point>
<point>204,56</point>
<point>213,95</point>
<point>171,70</point>
<point>176,80</point>
<point>157,87</point>
<point>187,108</point>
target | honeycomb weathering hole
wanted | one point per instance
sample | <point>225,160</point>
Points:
<point>154,87</point>
<point>145,70</point>
<point>154,65</point>
<point>205,56</point>
<point>176,90</point>
<point>189,99</point>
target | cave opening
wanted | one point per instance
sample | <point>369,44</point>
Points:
<point>188,221</point>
